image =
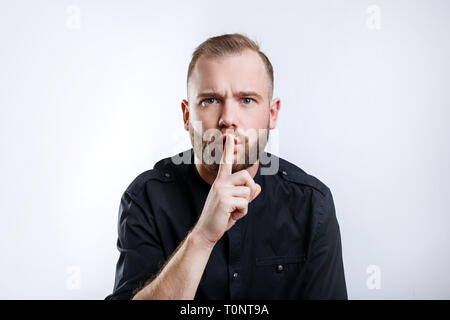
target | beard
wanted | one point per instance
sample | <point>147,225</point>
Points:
<point>210,150</point>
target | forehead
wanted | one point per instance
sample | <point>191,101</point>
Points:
<point>244,71</point>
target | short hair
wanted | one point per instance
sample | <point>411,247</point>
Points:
<point>228,44</point>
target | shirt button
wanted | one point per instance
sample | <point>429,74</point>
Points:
<point>280,268</point>
<point>167,175</point>
<point>235,275</point>
<point>284,173</point>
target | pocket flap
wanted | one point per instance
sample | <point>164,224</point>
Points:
<point>280,260</point>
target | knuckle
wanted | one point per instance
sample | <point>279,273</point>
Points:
<point>245,174</point>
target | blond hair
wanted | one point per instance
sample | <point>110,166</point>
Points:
<point>228,44</point>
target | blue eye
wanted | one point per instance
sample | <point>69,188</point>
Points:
<point>210,100</point>
<point>247,100</point>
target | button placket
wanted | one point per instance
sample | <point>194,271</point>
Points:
<point>235,246</point>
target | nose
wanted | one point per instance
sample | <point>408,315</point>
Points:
<point>228,116</point>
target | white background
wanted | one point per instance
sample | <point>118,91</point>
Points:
<point>89,101</point>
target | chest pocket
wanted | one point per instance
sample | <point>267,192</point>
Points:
<point>278,277</point>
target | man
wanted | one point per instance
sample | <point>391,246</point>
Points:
<point>221,224</point>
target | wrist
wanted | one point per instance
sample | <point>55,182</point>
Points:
<point>197,239</point>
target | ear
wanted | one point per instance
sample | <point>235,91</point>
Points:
<point>185,109</point>
<point>274,109</point>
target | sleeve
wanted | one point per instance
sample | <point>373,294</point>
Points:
<point>325,270</point>
<point>141,253</point>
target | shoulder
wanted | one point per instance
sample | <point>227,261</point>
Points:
<point>321,196</point>
<point>163,172</point>
<point>293,174</point>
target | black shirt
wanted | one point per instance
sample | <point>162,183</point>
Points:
<point>288,246</point>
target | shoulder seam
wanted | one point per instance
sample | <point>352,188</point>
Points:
<point>136,186</point>
<point>292,173</point>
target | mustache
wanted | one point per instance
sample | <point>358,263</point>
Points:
<point>242,139</point>
<point>250,140</point>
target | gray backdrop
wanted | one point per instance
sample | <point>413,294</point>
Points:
<point>90,97</point>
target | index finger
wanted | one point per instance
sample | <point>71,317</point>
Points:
<point>226,163</point>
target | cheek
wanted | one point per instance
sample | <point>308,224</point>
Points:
<point>257,120</point>
<point>209,118</point>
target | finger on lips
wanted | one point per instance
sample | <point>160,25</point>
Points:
<point>226,163</point>
<point>240,178</point>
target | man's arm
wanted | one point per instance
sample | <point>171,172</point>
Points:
<point>325,268</point>
<point>180,276</point>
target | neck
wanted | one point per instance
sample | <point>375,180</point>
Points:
<point>209,176</point>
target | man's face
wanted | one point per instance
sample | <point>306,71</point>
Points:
<point>230,94</point>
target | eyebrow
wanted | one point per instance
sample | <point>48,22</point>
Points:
<point>212,94</point>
